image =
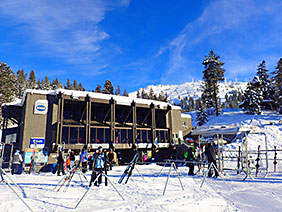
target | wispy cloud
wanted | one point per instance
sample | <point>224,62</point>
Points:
<point>235,28</point>
<point>66,28</point>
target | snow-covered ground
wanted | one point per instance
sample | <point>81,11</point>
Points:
<point>231,194</point>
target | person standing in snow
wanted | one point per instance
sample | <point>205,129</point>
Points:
<point>17,160</point>
<point>211,154</point>
<point>60,163</point>
<point>190,157</point>
<point>111,158</point>
<point>84,159</point>
<point>98,164</point>
<point>72,159</point>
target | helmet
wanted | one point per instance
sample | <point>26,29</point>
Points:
<point>100,148</point>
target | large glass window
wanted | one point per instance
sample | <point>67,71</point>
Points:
<point>81,138</point>
<point>65,135</point>
<point>107,135</point>
<point>73,135</point>
<point>100,135</point>
<point>93,133</point>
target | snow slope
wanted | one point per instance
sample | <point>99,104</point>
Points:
<point>192,89</point>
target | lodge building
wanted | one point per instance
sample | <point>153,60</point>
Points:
<point>76,118</point>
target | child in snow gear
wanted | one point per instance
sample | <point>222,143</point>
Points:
<point>210,152</point>
<point>83,159</point>
<point>98,165</point>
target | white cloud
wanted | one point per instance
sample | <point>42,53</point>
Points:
<point>65,28</point>
<point>235,19</point>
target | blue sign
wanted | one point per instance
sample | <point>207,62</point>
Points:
<point>38,141</point>
<point>41,108</point>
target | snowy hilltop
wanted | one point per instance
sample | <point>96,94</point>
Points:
<point>192,89</point>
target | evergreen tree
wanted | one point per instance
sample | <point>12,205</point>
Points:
<point>22,83</point>
<point>46,85</point>
<point>39,85</point>
<point>125,93</point>
<point>98,89</point>
<point>75,86</point>
<point>68,85</point>
<point>117,92</point>
<point>191,104</point>
<point>56,84</point>
<point>144,95</point>
<point>80,87</point>
<point>161,96</point>
<point>252,97</point>
<point>202,116</point>
<point>138,94</point>
<point>277,81</point>
<point>151,94</point>
<point>32,80</point>
<point>8,89</point>
<point>213,74</point>
<point>266,88</point>
<point>108,87</point>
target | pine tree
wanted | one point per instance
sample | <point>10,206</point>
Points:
<point>125,93</point>
<point>138,94</point>
<point>108,87</point>
<point>253,97</point>
<point>266,88</point>
<point>151,94</point>
<point>117,92</point>
<point>46,85</point>
<point>213,74</point>
<point>75,85</point>
<point>22,83</point>
<point>98,89</point>
<point>277,81</point>
<point>80,87</point>
<point>144,95</point>
<point>202,116</point>
<point>39,85</point>
<point>8,89</point>
<point>32,80</point>
<point>68,85</point>
<point>56,84</point>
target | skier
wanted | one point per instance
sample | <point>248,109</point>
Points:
<point>111,157</point>
<point>72,159</point>
<point>60,163</point>
<point>210,152</point>
<point>190,157</point>
<point>83,159</point>
<point>17,160</point>
<point>98,165</point>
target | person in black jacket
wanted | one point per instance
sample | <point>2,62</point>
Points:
<point>60,163</point>
<point>211,154</point>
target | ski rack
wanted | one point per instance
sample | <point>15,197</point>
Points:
<point>172,165</point>
<point>205,174</point>
<point>99,174</point>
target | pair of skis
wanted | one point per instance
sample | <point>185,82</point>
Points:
<point>258,161</point>
<point>128,171</point>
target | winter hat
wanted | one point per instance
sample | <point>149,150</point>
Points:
<point>100,148</point>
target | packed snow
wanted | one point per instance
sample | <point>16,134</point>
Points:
<point>144,190</point>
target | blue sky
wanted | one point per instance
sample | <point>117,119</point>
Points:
<point>136,43</point>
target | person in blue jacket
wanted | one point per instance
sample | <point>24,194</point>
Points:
<point>83,160</point>
<point>98,165</point>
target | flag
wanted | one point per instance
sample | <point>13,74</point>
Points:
<point>117,140</point>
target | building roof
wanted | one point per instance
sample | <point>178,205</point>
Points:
<point>120,100</point>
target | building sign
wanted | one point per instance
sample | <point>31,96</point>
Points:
<point>41,106</point>
<point>39,142</point>
<point>104,146</point>
<point>39,156</point>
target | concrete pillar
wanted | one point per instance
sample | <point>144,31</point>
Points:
<point>134,122</point>
<point>153,117</point>
<point>113,117</point>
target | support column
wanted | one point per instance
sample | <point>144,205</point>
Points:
<point>113,119</point>
<point>3,131</point>
<point>59,97</point>
<point>87,100</point>
<point>153,127</point>
<point>169,116</point>
<point>134,123</point>
<point>61,120</point>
